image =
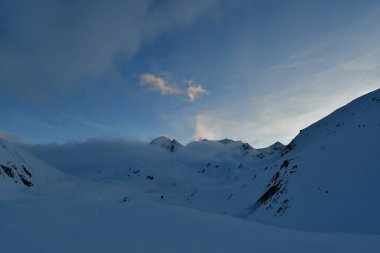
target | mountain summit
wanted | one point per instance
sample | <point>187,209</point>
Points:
<point>171,145</point>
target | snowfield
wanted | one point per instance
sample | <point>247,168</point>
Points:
<point>319,193</point>
<point>147,226</point>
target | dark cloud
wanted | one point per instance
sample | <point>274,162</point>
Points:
<point>52,46</point>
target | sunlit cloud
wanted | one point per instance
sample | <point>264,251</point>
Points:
<point>8,137</point>
<point>162,85</point>
<point>204,128</point>
<point>194,90</point>
<point>158,84</point>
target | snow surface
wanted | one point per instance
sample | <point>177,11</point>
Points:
<point>89,223</point>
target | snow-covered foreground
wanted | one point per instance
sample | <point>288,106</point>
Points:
<point>38,225</point>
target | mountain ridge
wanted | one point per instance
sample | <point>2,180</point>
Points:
<point>323,180</point>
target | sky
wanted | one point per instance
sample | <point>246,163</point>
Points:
<point>256,71</point>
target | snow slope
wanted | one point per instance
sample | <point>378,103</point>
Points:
<point>145,226</point>
<point>327,179</point>
<point>13,168</point>
<point>22,173</point>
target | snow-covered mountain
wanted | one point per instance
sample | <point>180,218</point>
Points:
<point>14,169</point>
<point>324,180</point>
<point>21,172</point>
<point>171,145</point>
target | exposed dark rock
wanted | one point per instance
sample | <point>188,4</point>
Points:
<point>230,196</point>
<point>25,181</point>
<point>275,176</point>
<point>291,146</point>
<point>269,194</point>
<point>285,164</point>
<point>125,199</point>
<point>8,171</point>
<point>246,146</point>
<point>26,171</point>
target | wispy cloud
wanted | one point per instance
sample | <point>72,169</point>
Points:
<point>159,84</point>
<point>204,128</point>
<point>194,90</point>
<point>278,116</point>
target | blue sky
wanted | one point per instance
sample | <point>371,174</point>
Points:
<point>258,71</point>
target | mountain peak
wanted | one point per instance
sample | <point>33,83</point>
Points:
<point>226,141</point>
<point>169,144</point>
